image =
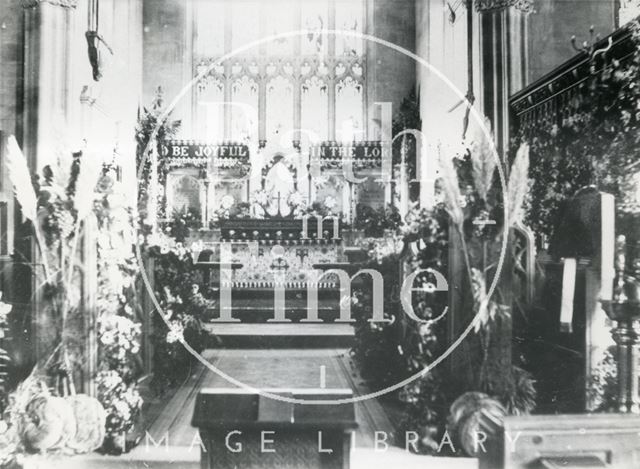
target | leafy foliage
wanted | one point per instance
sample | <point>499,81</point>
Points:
<point>375,221</point>
<point>603,388</point>
<point>597,143</point>
<point>184,309</point>
<point>152,120</point>
<point>182,222</point>
<point>470,195</point>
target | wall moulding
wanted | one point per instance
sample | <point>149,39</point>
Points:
<point>493,5</point>
<point>60,3</point>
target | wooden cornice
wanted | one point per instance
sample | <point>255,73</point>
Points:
<point>570,74</point>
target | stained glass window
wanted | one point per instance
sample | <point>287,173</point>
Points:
<point>315,20</point>
<point>349,19</point>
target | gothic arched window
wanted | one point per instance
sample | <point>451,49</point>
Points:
<point>312,81</point>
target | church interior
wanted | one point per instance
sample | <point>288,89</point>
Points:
<point>320,233</point>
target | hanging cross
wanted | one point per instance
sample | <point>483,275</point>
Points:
<point>481,6</point>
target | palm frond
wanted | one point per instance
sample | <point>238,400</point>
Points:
<point>483,161</point>
<point>480,300</point>
<point>61,168</point>
<point>85,194</point>
<point>451,190</point>
<point>21,180</point>
<point>518,185</point>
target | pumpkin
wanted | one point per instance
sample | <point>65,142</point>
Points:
<point>47,424</point>
<point>472,414</point>
<point>90,419</point>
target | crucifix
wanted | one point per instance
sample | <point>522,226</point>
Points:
<point>481,6</point>
<point>469,98</point>
<point>94,40</point>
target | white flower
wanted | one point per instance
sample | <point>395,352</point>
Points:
<point>5,309</point>
<point>154,239</point>
<point>424,330</point>
<point>176,332</point>
<point>227,202</point>
<point>261,197</point>
<point>109,379</point>
<point>330,202</point>
<point>122,409</point>
<point>296,198</point>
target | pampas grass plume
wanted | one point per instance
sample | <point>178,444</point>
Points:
<point>90,169</point>
<point>451,190</point>
<point>518,185</point>
<point>21,180</point>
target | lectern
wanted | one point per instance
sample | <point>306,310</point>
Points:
<point>247,429</point>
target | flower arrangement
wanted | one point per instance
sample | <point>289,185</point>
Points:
<point>330,203</point>
<point>595,145</point>
<point>184,308</point>
<point>122,403</point>
<point>468,192</point>
<point>262,200</point>
<point>119,336</point>
<point>118,329</point>
<point>150,121</point>
<point>57,207</point>
<point>374,222</point>
<point>298,203</point>
<point>73,194</point>
<point>182,222</point>
<point>230,209</point>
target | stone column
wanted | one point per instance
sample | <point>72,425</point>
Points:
<point>46,60</point>
<point>46,70</point>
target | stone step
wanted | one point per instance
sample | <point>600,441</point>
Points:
<point>261,308</point>
<point>272,335</point>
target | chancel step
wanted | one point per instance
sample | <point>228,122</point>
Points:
<point>331,335</point>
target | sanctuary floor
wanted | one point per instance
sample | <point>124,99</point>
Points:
<point>279,368</point>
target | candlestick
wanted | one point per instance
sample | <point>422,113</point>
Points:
<point>624,309</point>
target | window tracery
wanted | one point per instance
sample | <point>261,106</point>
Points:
<point>313,81</point>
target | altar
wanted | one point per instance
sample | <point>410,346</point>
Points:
<point>231,180</point>
<point>283,213</point>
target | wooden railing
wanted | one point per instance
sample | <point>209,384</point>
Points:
<point>551,99</point>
